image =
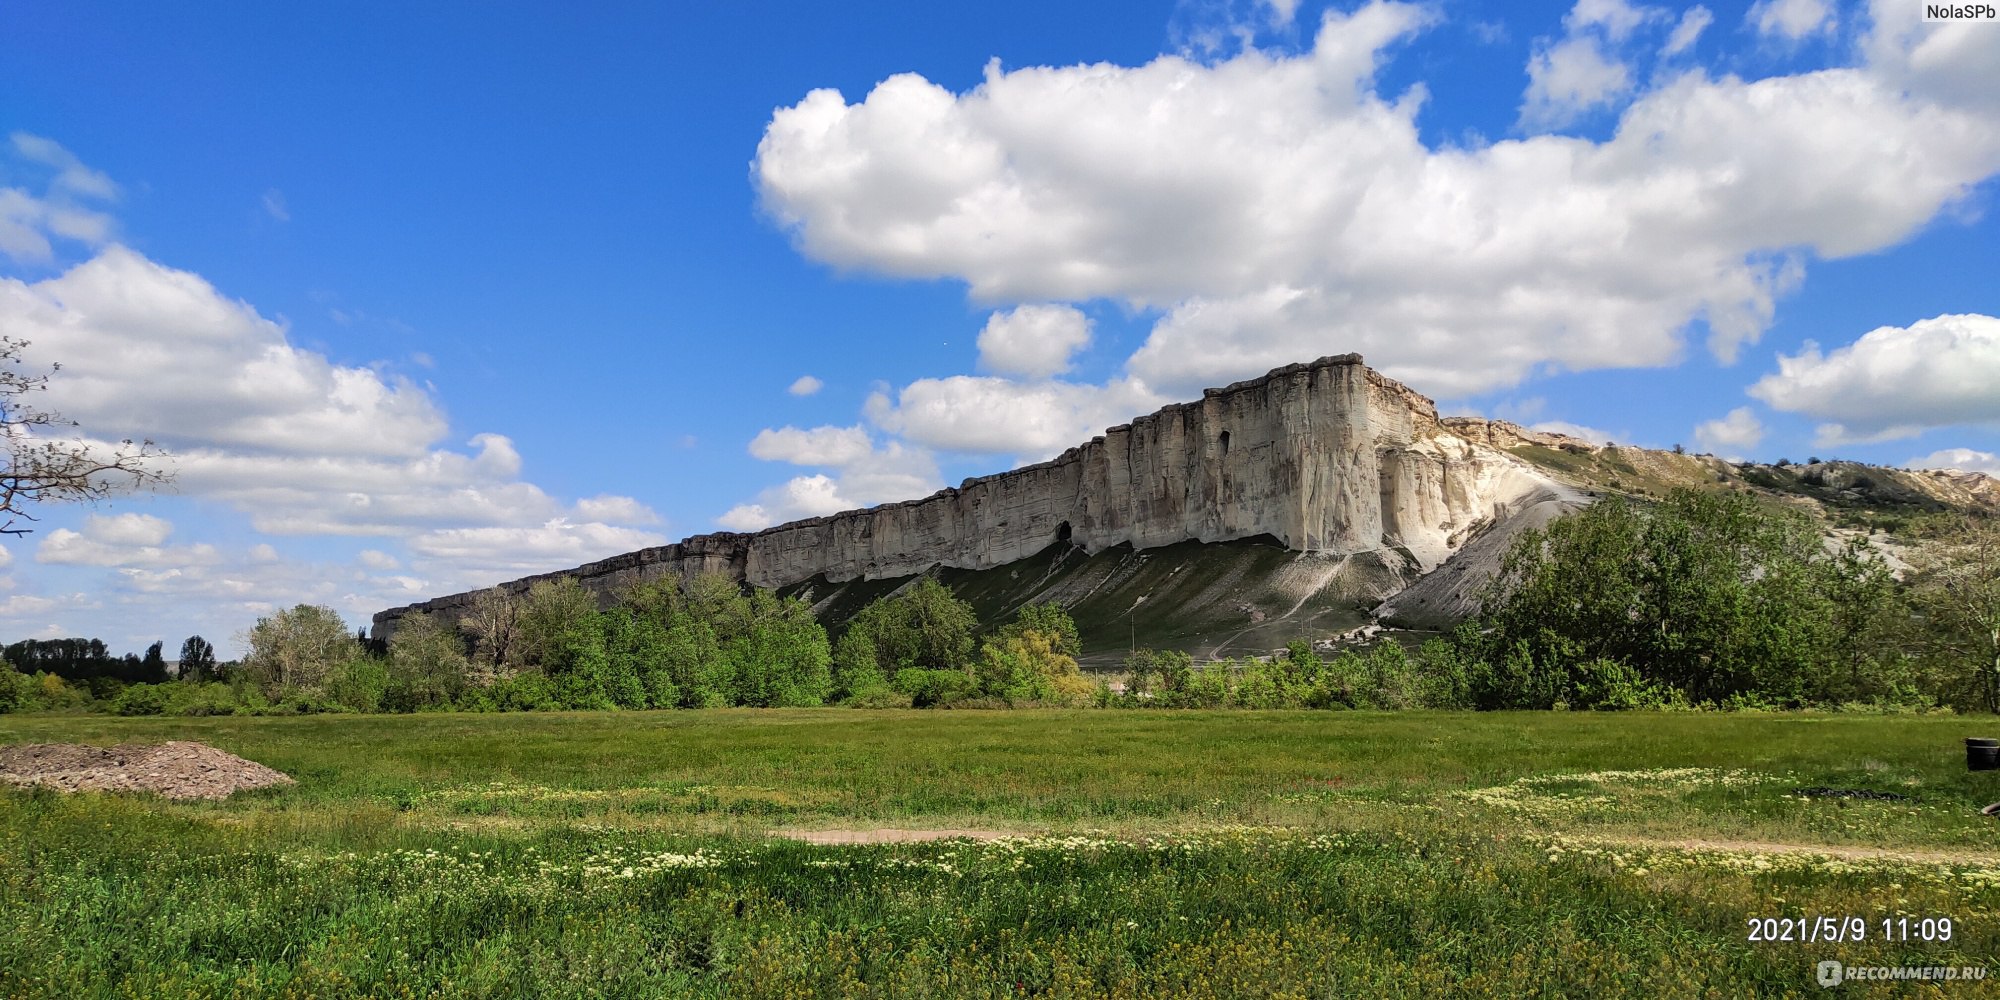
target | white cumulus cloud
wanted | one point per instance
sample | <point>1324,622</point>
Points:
<point>1034,341</point>
<point>818,446</point>
<point>121,540</point>
<point>1574,76</point>
<point>1791,20</point>
<point>1687,30</point>
<point>69,207</point>
<point>1324,223</point>
<point>1029,420</point>
<point>1731,435</point>
<point>805,385</point>
<point>1894,382</point>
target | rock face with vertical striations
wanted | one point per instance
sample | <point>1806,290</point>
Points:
<point>1329,458</point>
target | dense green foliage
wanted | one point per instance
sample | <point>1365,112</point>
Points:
<point>83,661</point>
<point>1188,854</point>
<point>1712,598</point>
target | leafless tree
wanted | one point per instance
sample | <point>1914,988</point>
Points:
<point>492,621</point>
<point>41,469</point>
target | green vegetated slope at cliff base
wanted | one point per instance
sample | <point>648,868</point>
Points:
<point>1212,600</point>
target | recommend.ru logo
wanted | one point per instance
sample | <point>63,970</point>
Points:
<point>1833,973</point>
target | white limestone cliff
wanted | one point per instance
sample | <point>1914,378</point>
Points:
<point>1327,457</point>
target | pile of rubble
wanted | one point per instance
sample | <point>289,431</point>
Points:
<point>176,769</point>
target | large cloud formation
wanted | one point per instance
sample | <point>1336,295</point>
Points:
<point>1894,382</point>
<point>1276,206</point>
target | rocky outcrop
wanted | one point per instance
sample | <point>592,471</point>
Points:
<point>1328,457</point>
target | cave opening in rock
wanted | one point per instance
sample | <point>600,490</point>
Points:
<point>1225,444</point>
<point>1062,533</point>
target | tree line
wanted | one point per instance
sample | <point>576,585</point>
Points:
<point>1704,599</point>
<point>660,644</point>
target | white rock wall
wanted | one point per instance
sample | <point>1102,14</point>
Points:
<point>1328,456</point>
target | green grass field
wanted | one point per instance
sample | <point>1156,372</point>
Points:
<point>1181,854</point>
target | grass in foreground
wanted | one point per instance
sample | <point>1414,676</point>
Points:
<point>1168,854</point>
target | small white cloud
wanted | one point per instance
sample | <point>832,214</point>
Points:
<point>65,210</point>
<point>1692,23</point>
<point>1616,18</point>
<point>6,557</point>
<point>1732,435</point>
<point>1961,459</point>
<point>1569,79</point>
<point>377,559</point>
<point>805,385</point>
<point>264,552</point>
<point>128,529</point>
<point>1895,381</point>
<point>819,446</point>
<point>1033,341</point>
<point>1791,20</point>
<point>503,552</point>
<point>1031,420</point>
<point>615,510</point>
<point>71,174</point>
<point>274,205</point>
<point>800,497</point>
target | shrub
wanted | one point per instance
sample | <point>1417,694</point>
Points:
<point>140,699</point>
<point>928,687</point>
<point>15,690</point>
<point>361,684</point>
<point>856,674</point>
<point>197,698</point>
<point>1027,666</point>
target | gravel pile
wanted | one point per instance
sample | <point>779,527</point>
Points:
<point>176,769</point>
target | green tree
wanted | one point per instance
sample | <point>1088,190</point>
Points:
<point>1713,595</point>
<point>778,654</point>
<point>1955,596</point>
<point>856,674</point>
<point>1051,619</point>
<point>295,649</point>
<point>695,665</point>
<point>153,666</point>
<point>427,665</point>
<point>922,626</point>
<point>553,614</point>
<point>636,643</point>
<point>197,660</point>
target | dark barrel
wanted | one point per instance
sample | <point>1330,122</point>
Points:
<point>1982,754</point>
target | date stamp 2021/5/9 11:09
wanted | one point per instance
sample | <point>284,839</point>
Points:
<point>1830,929</point>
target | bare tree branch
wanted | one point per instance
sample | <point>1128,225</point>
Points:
<point>44,469</point>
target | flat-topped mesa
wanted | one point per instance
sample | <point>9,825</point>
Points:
<point>1329,457</point>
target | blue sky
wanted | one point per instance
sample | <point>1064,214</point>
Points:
<point>425,299</point>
